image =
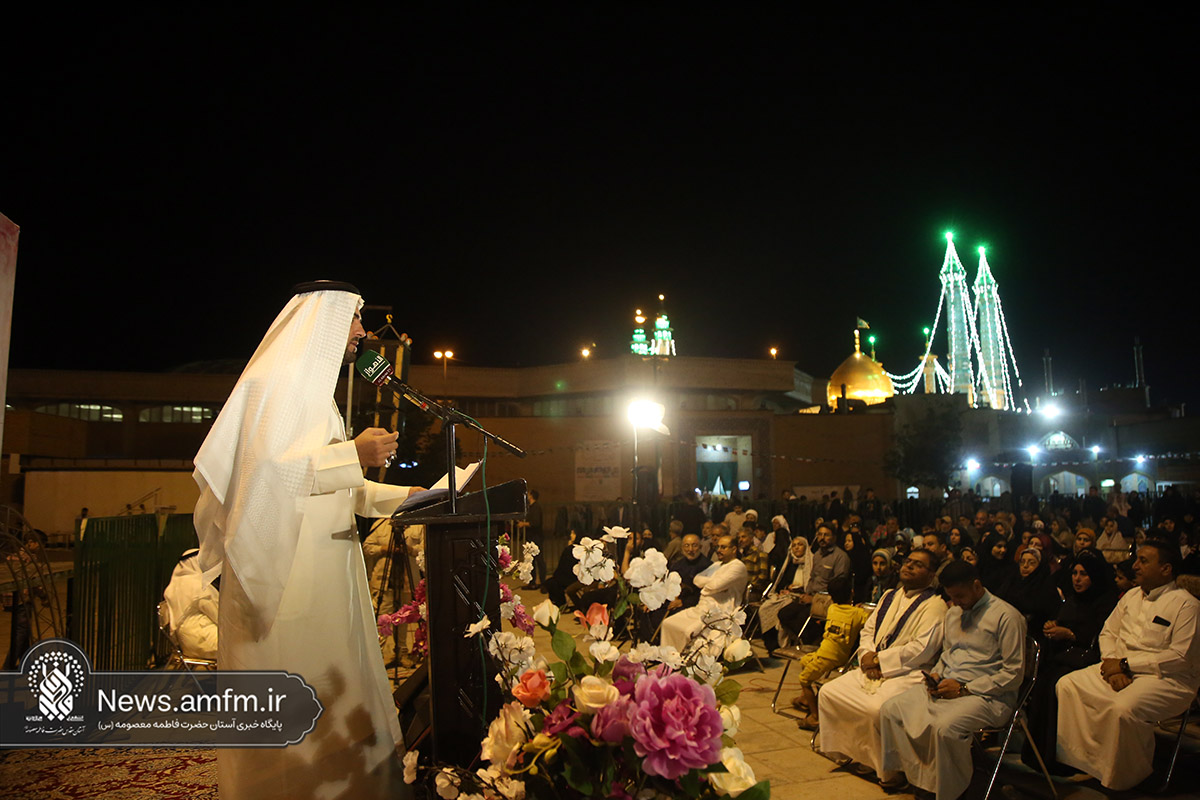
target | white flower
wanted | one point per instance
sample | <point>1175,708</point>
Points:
<point>707,668</point>
<point>592,694</point>
<point>515,651</point>
<point>410,766</point>
<point>738,650</point>
<point>614,533</point>
<point>670,656</point>
<point>546,614</point>
<point>593,564</point>
<point>661,592</point>
<point>648,568</point>
<point>738,779</point>
<point>511,788</point>
<point>421,561</point>
<point>476,628</point>
<point>604,651</point>
<point>731,719</point>
<point>643,652</point>
<point>530,551</point>
<point>525,571</point>
<point>506,734</point>
<point>509,608</point>
<point>447,784</point>
<point>423,610</point>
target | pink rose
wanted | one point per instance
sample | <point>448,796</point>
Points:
<point>676,727</point>
<point>533,688</point>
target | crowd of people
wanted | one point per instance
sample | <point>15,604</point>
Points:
<point>931,622</point>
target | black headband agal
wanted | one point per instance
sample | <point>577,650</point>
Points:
<point>325,286</point>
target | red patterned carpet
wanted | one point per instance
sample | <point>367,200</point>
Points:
<point>109,773</point>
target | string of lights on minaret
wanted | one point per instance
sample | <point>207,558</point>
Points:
<point>977,334</point>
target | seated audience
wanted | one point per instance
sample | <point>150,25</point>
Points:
<point>723,588</point>
<point>901,637</point>
<point>786,588</point>
<point>1149,671</point>
<point>883,576</point>
<point>926,731</point>
<point>1070,642</point>
<point>843,622</point>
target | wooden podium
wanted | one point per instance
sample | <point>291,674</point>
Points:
<point>461,583</point>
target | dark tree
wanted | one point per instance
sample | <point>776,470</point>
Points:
<point>928,451</point>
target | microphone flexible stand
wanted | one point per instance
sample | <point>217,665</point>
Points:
<point>451,417</point>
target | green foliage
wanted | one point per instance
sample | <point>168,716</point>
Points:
<point>928,451</point>
<point>728,691</point>
<point>759,791</point>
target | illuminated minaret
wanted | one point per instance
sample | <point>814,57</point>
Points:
<point>960,321</point>
<point>991,331</point>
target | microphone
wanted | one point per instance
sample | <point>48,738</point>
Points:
<point>378,370</point>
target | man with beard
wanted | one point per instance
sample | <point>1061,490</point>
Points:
<point>279,487</point>
<point>901,637</point>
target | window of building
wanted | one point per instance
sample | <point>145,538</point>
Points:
<point>187,414</point>
<point>89,412</point>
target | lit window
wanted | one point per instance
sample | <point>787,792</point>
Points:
<point>88,412</point>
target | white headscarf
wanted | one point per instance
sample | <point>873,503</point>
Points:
<point>259,459</point>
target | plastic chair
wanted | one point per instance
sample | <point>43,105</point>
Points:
<point>1033,654</point>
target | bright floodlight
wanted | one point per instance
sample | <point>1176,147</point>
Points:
<point>1095,449</point>
<point>949,236</point>
<point>981,250</point>
<point>1141,459</point>
<point>1051,411</point>
<point>1033,450</point>
<point>972,464</point>
<point>437,353</point>
<point>646,413</point>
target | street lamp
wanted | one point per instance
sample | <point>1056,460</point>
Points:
<point>774,352</point>
<point>444,357</point>
<point>649,415</point>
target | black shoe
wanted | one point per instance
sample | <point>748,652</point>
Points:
<point>530,587</point>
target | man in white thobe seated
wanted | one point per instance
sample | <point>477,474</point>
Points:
<point>720,591</point>
<point>925,732</point>
<point>1149,671</point>
<point>902,636</point>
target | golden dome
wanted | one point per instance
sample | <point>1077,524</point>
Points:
<point>865,380</point>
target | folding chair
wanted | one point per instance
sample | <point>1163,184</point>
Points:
<point>750,605</point>
<point>816,614</point>
<point>189,663</point>
<point>1033,653</point>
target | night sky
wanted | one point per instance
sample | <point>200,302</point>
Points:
<point>516,182</point>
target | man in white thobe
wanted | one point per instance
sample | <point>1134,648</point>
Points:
<point>279,487</point>
<point>721,590</point>
<point>925,732</point>
<point>902,636</point>
<point>1149,671</point>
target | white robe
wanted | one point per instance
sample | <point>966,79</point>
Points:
<point>928,739</point>
<point>724,589</point>
<point>1110,734</point>
<point>325,632</point>
<point>849,705</point>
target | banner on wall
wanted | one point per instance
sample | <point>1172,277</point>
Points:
<point>597,471</point>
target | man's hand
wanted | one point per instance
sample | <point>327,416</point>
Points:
<point>1119,681</point>
<point>414,489</point>
<point>869,664</point>
<point>1110,667</point>
<point>806,599</point>
<point>374,446</point>
<point>947,689</point>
